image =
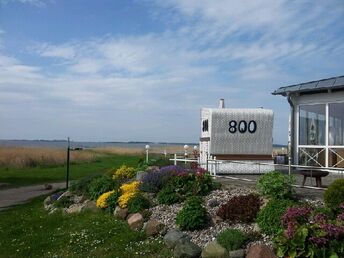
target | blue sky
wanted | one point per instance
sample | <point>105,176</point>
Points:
<point>141,70</point>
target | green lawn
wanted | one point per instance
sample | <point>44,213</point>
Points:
<point>28,231</point>
<point>30,176</point>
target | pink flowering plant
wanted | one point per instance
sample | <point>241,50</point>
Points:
<point>307,233</point>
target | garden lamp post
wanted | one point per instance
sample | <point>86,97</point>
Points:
<point>186,147</point>
<point>147,152</point>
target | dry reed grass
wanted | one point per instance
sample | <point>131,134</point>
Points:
<point>170,149</point>
<point>19,157</point>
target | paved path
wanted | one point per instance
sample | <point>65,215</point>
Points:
<point>20,195</point>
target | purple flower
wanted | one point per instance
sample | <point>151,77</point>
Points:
<point>291,229</point>
<point>340,217</point>
<point>320,218</point>
<point>295,213</point>
<point>342,206</point>
<point>319,241</point>
<point>333,231</point>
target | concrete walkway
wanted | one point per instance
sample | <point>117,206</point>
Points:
<point>20,195</point>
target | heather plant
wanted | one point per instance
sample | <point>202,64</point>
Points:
<point>232,239</point>
<point>168,196</point>
<point>275,185</point>
<point>138,203</point>
<point>269,218</point>
<point>334,194</point>
<point>101,185</point>
<point>193,215</point>
<point>153,181</point>
<point>307,233</point>
<point>242,208</point>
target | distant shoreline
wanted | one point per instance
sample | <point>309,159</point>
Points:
<point>90,144</point>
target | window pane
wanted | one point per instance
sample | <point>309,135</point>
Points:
<point>336,158</point>
<point>336,129</point>
<point>314,157</point>
<point>312,125</point>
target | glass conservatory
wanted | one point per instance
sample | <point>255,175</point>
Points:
<point>316,122</point>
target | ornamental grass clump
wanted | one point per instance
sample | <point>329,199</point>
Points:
<point>124,172</point>
<point>101,185</point>
<point>128,191</point>
<point>308,233</point>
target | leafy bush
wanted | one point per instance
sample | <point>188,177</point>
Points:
<point>269,218</point>
<point>138,203</point>
<point>81,187</point>
<point>128,191</point>
<point>167,195</point>
<point>101,185</point>
<point>124,172</point>
<point>232,239</point>
<point>63,202</point>
<point>334,195</point>
<point>310,234</point>
<point>193,215</point>
<point>242,208</point>
<point>275,185</point>
<point>155,180</point>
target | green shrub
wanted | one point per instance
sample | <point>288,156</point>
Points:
<point>63,202</point>
<point>232,239</point>
<point>275,185</point>
<point>193,215</point>
<point>138,203</point>
<point>242,208</point>
<point>167,195</point>
<point>112,200</point>
<point>334,195</point>
<point>101,185</point>
<point>81,187</point>
<point>269,218</point>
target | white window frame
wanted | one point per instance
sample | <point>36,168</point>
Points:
<point>327,147</point>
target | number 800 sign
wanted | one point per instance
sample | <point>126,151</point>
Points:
<point>242,126</point>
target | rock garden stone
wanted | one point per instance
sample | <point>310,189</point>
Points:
<point>216,220</point>
<point>240,253</point>
<point>260,251</point>
<point>74,208</point>
<point>172,237</point>
<point>135,221</point>
<point>152,168</point>
<point>53,210</point>
<point>65,194</point>
<point>48,187</point>
<point>186,249</point>
<point>153,227</point>
<point>120,212</point>
<point>90,206</point>
<point>48,203</point>
<point>214,250</point>
<point>213,203</point>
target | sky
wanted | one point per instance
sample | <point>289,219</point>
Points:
<point>127,70</point>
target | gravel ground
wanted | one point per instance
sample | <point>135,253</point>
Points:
<point>166,214</point>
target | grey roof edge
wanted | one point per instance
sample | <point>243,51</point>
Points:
<point>285,90</point>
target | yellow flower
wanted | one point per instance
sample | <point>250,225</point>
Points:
<point>101,201</point>
<point>124,172</point>
<point>128,191</point>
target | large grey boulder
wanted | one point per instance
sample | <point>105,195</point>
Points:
<point>172,237</point>
<point>135,221</point>
<point>90,206</point>
<point>74,208</point>
<point>186,249</point>
<point>214,250</point>
<point>140,175</point>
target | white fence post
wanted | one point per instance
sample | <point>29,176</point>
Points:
<point>175,159</point>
